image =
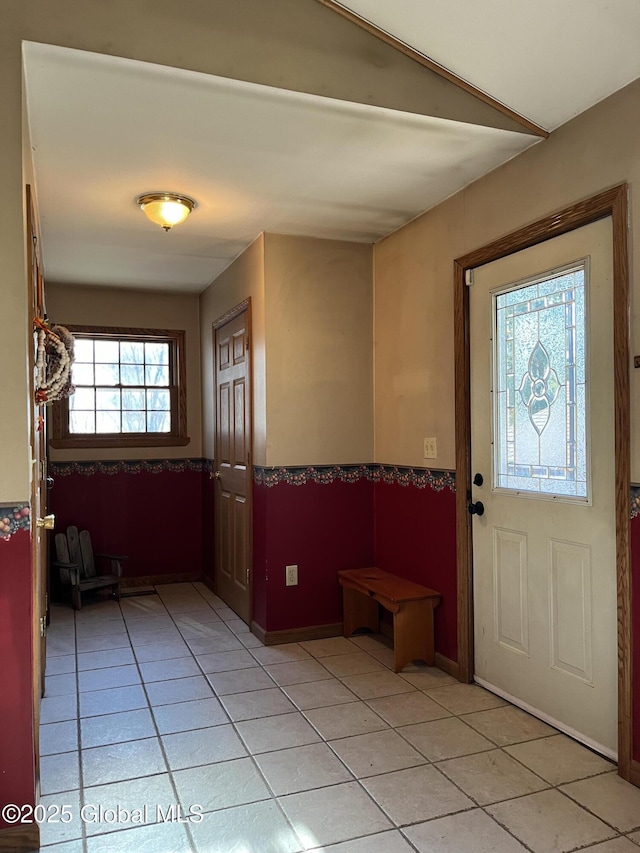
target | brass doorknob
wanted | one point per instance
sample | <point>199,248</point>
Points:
<point>48,522</point>
<point>214,475</point>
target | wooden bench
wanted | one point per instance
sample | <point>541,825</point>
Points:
<point>412,606</point>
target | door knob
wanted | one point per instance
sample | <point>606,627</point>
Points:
<point>478,480</point>
<point>476,508</point>
<point>48,522</point>
<point>214,475</point>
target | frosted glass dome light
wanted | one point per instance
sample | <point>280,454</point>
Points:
<point>166,209</point>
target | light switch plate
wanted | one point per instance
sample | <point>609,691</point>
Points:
<point>430,448</point>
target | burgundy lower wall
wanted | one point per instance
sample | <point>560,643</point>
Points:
<point>635,621</point>
<point>415,537</point>
<point>141,509</point>
<point>319,527</point>
<point>322,520</point>
<point>17,774</point>
<point>261,560</point>
<point>208,525</point>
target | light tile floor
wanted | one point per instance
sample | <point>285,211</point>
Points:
<point>165,703</point>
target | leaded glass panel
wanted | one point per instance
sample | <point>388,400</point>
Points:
<point>539,390</point>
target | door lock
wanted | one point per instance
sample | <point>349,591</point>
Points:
<point>478,480</point>
<point>476,508</point>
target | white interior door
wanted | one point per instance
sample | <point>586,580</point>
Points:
<point>542,438</point>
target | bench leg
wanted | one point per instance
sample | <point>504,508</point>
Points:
<point>360,611</point>
<point>413,634</point>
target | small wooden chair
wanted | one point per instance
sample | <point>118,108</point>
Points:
<point>76,565</point>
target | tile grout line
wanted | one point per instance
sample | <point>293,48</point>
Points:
<point>274,798</point>
<point>241,739</point>
<point>155,726</point>
<point>323,741</point>
<point>238,734</point>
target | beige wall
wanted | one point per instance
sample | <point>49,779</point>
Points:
<point>242,279</point>
<point>15,455</point>
<point>311,307</point>
<point>101,306</point>
<point>413,335</point>
<point>319,343</point>
<point>414,271</point>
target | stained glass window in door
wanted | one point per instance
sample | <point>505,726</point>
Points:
<point>539,386</point>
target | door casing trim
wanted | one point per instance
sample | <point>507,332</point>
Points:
<point>614,203</point>
<point>231,314</point>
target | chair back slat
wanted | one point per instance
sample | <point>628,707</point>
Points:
<point>88,564</point>
<point>74,545</point>
<point>62,548</point>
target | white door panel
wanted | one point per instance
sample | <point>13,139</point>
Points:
<point>544,550</point>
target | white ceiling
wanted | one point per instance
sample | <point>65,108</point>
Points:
<point>549,60</point>
<point>258,158</point>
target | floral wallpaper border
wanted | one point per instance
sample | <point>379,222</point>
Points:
<point>128,466</point>
<point>420,478</point>
<point>13,519</point>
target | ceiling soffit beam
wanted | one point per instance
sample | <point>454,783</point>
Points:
<point>297,45</point>
<point>423,60</point>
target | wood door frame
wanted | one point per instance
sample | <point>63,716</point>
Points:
<point>38,495</point>
<point>225,318</point>
<point>612,202</point>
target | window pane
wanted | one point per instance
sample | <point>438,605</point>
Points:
<point>83,349</point>
<point>132,352</point>
<point>107,374</point>
<point>107,351</point>
<point>82,422</point>
<point>108,421</point>
<point>84,398</point>
<point>82,374</point>
<point>540,412</point>
<point>156,353</point>
<point>158,400</point>
<point>133,422</point>
<point>107,398</point>
<point>133,399</point>
<point>158,422</point>
<point>157,374</point>
<point>132,374</point>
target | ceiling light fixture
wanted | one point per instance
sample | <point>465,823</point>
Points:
<point>166,209</point>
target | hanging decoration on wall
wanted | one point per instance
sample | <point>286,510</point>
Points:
<point>13,519</point>
<point>54,357</point>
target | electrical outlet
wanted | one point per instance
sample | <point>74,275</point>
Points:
<point>291,575</point>
<point>430,448</point>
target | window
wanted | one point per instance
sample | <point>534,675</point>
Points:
<point>130,390</point>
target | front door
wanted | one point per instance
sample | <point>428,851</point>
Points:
<point>232,464</point>
<point>542,443</point>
